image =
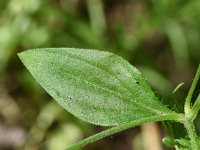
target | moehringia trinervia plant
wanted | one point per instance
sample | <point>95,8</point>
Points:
<point>104,89</point>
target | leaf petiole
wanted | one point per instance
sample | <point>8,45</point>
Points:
<point>176,117</point>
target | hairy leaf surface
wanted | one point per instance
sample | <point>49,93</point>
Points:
<point>99,87</point>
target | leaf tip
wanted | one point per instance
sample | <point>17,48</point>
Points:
<point>25,56</point>
<point>178,87</point>
<point>21,55</point>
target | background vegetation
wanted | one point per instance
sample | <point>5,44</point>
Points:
<point>160,37</point>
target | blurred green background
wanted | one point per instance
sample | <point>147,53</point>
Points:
<point>160,37</point>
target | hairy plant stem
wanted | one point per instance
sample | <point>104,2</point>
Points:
<point>192,134</point>
<point>187,106</point>
<point>191,113</point>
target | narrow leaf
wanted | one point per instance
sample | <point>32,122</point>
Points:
<point>178,87</point>
<point>96,86</point>
<point>196,107</point>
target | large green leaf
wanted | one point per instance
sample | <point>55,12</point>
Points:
<point>96,86</point>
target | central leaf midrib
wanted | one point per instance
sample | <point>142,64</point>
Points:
<point>99,67</point>
<point>100,87</point>
<point>115,122</point>
<point>110,73</point>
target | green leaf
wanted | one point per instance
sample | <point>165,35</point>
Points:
<point>178,87</point>
<point>196,107</point>
<point>182,144</point>
<point>96,86</point>
<point>168,141</point>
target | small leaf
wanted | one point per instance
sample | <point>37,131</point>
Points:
<point>196,107</point>
<point>182,144</point>
<point>96,86</point>
<point>178,87</point>
<point>168,141</point>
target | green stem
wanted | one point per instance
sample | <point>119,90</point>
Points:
<point>191,91</point>
<point>176,117</point>
<point>196,107</point>
<point>191,113</point>
<point>192,135</point>
<point>97,17</point>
